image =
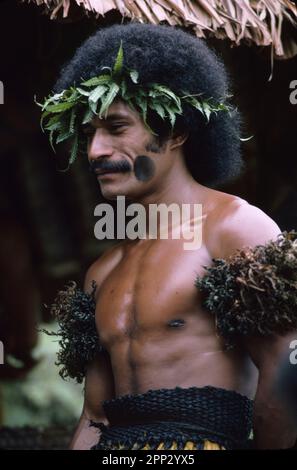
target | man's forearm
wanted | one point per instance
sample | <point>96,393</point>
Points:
<point>274,427</point>
<point>85,435</point>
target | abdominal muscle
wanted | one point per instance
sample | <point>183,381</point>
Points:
<point>161,361</point>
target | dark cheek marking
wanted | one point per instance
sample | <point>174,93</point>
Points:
<point>176,323</point>
<point>144,168</point>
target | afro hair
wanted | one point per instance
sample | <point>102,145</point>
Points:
<point>184,63</point>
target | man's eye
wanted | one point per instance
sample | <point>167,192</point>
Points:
<point>116,127</point>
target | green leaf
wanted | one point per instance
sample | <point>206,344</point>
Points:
<point>73,96</point>
<point>175,109</point>
<point>64,136</point>
<point>123,88</point>
<point>108,99</point>
<point>195,103</point>
<point>95,96</point>
<point>46,103</point>
<point>134,76</point>
<point>57,96</point>
<point>53,127</point>
<point>100,80</point>
<point>36,102</point>
<point>51,99</point>
<point>83,92</point>
<point>97,93</point>
<point>74,150</point>
<point>171,116</point>
<point>169,93</point>
<point>51,137</point>
<point>159,110</point>
<point>93,106</point>
<point>72,120</point>
<point>142,104</point>
<point>44,115</point>
<point>118,65</point>
<point>62,110</point>
<point>88,116</point>
<point>53,119</point>
<point>58,108</point>
<point>152,94</point>
<point>207,110</point>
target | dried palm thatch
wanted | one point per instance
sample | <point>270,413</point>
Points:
<point>254,21</point>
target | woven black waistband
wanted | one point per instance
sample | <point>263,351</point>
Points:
<point>210,410</point>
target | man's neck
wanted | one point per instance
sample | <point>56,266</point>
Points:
<point>178,189</point>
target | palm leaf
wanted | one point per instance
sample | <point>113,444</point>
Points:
<point>59,107</point>
<point>134,76</point>
<point>88,116</point>
<point>108,99</point>
<point>97,93</point>
<point>118,66</point>
<point>72,120</point>
<point>64,136</point>
<point>74,149</point>
<point>100,80</point>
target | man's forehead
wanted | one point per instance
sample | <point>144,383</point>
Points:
<point>119,109</point>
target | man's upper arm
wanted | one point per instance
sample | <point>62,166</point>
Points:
<point>99,386</point>
<point>245,226</point>
<point>99,383</point>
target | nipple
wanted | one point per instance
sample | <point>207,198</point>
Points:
<point>176,323</point>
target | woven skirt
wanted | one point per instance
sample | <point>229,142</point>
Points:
<point>207,418</point>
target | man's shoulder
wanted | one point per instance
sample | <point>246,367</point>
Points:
<point>237,224</point>
<point>102,266</point>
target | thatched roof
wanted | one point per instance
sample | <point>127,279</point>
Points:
<point>254,21</point>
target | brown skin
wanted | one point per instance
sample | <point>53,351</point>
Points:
<point>143,285</point>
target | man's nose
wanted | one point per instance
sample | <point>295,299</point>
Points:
<point>100,145</point>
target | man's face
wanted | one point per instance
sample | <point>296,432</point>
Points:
<point>125,155</point>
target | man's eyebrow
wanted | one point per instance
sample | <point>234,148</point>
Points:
<point>111,117</point>
<point>114,116</point>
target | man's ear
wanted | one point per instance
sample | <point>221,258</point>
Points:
<point>178,139</point>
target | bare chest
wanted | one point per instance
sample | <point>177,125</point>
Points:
<point>150,290</point>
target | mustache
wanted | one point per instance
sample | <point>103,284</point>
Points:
<point>121,166</point>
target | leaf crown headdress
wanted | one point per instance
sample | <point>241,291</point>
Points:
<point>64,114</point>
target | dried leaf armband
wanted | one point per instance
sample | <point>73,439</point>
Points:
<point>79,340</point>
<point>255,290</point>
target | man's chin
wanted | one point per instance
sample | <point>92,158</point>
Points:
<point>111,193</point>
<point>113,187</point>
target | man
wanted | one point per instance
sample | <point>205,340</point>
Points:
<point>162,377</point>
